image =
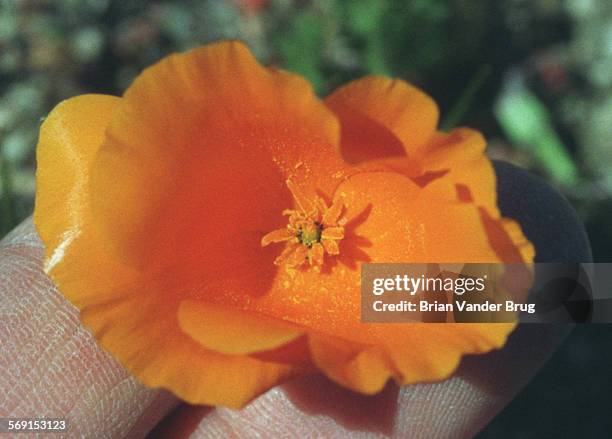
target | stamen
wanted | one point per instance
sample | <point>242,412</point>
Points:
<point>313,230</point>
<point>278,235</point>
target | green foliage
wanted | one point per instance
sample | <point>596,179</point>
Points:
<point>527,123</point>
<point>365,20</point>
<point>459,51</point>
<point>300,47</point>
<point>454,117</point>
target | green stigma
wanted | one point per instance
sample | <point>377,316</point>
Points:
<point>310,235</point>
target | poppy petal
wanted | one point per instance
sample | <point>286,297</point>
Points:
<point>131,313</point>
<point>518,238</point>
<point>364,369</point>
<point>222,329</point>
<point>65,150</point>
<point>226,122</point>
<point>411,117</point>
<point>450,160</point>
<point>416,358</point>
<point>382,117</point>
<point>461,153</point>
<point>145,336</point>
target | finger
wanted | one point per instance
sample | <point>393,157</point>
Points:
<point>50,366</point>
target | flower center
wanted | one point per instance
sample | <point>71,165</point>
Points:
<point>310,233</point>
<point>313,230</point>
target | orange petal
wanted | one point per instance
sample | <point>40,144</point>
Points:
<point>416,356</point>
<point>378,114</point>
<point>64,154</point>
<point>199,150</point>
<point>507,239</point>
<point>143,333</point>
<point>467,175</point>
<point>461,152</point>
<point>131,313</point>
<point>449,160</point>
<point>382,117</point>
<point>518,238</point>
<point>364,369</point>
<point>458,146</point>
<point>295,352</point>
<point>409,225</point>
<point>403,352</point>
<point>223,329</point>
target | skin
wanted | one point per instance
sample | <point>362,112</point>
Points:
<point>51,366</point>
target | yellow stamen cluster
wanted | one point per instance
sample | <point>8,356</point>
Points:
<point>313,230</point>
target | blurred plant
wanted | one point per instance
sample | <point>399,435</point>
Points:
<point>460,51</point>
<point>527,123</point>
<point>588,107</point>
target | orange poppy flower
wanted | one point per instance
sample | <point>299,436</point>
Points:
<point>210,224</point>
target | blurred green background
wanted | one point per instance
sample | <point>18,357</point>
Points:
<point>535,76</point>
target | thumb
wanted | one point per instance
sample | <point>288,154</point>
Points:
<point>50,366</point>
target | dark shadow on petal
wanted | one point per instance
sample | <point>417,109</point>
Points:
<point>428,177</point>
<point>352,245</point>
